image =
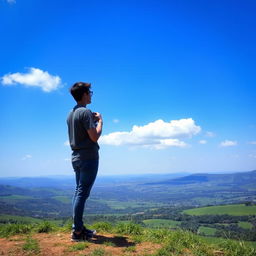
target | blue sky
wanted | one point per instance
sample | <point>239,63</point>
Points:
<point>189,64</point>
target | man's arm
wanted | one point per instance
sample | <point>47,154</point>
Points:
<point>94,133</point>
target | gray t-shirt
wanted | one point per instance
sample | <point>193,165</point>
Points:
<point>79,120</point>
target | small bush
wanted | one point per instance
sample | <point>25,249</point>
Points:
<point>45,227</point>
<point>177,243</point>
<point>129,229</point>
<point>31,245</point>
<point>103,226</point>
<point>13,229</point>
<point>68,225</point>
<point>156,235</point>
<point>236,248</point>
<point>188,240</point>
<point>137,239</point>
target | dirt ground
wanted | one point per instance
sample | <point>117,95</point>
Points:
<point>59,244</point>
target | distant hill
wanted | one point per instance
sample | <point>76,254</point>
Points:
<point>68,182</point>
<point>233,179</point>
<point>52,196</point>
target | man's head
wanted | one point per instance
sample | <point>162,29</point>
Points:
<point>81,92</point>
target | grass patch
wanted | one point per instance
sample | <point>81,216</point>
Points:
<point>219,240</point>
<point>8,230</point>
<point>180,242</point>
<point>155,235</point>
<point>130,249</point>
<point>13,229</point>
<point>161,223</point>
<point>120,205</point>
<point>207,231</point>
<point>45,227</point>
<point>31,245</point>
<point>234,210</point>
<point>128,229</point>
<point>103,227</point>
<point>233,248</point>
<point>78,246</point>
<point>245,225</point>
<point>5,218</point>
<point>99,252</point>
<point>108,243</point>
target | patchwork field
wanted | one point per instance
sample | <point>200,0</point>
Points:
<point>161,223</point>
<point>234,210</point>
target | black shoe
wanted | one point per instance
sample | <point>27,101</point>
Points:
<point>78,237</point>
<point>85,234</point>
<point>89,231</point>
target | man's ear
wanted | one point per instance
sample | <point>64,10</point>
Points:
<point>84,96</point>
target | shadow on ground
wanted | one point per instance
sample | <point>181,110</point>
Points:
<point>118,241</point>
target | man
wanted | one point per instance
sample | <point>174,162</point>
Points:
<point>84,130</point>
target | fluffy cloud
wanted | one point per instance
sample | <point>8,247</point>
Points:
<point>252,142</point>
<point>66,143</point>
<point>34,78</point>
<point>157,135</point>
<point>26,157</point>
<point>228,143</point>
<point>11,1</point>
<point>202,142</point>
<point>209,134</point>
<point>116,121</point>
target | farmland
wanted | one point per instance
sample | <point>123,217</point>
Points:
<point>234,210</point>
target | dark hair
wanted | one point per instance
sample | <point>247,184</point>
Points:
<point>78,90</point>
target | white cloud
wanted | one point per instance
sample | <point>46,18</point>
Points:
<point>33,78</point>
<point>158,134</point>
<point>66,143</point>
<point>228,143</point>
<point>116,121</point>
<point>202,142</point>
<point>169,143</point>
<point>11,1</point>
<point>26,157</point>
<point>252,142</point>
<point>209,134</point>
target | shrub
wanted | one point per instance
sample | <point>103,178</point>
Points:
<point>156,235</point>
<point>102,226</point>
<point>45,227</point>
<point>68,225</point>
<point>129,229</point>
<point>13,229</point>
<point>235,248</point>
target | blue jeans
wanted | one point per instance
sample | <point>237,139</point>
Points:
<point>86,172</point>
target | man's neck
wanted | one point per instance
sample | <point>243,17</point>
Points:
<point>81,103</point>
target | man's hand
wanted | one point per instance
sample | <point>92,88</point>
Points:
<point>97,116</point>
<point>94,133</point>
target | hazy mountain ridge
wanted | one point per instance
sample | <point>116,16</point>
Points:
<point>51,197</point>
<point>241,178</point>
<point>68,181</point>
